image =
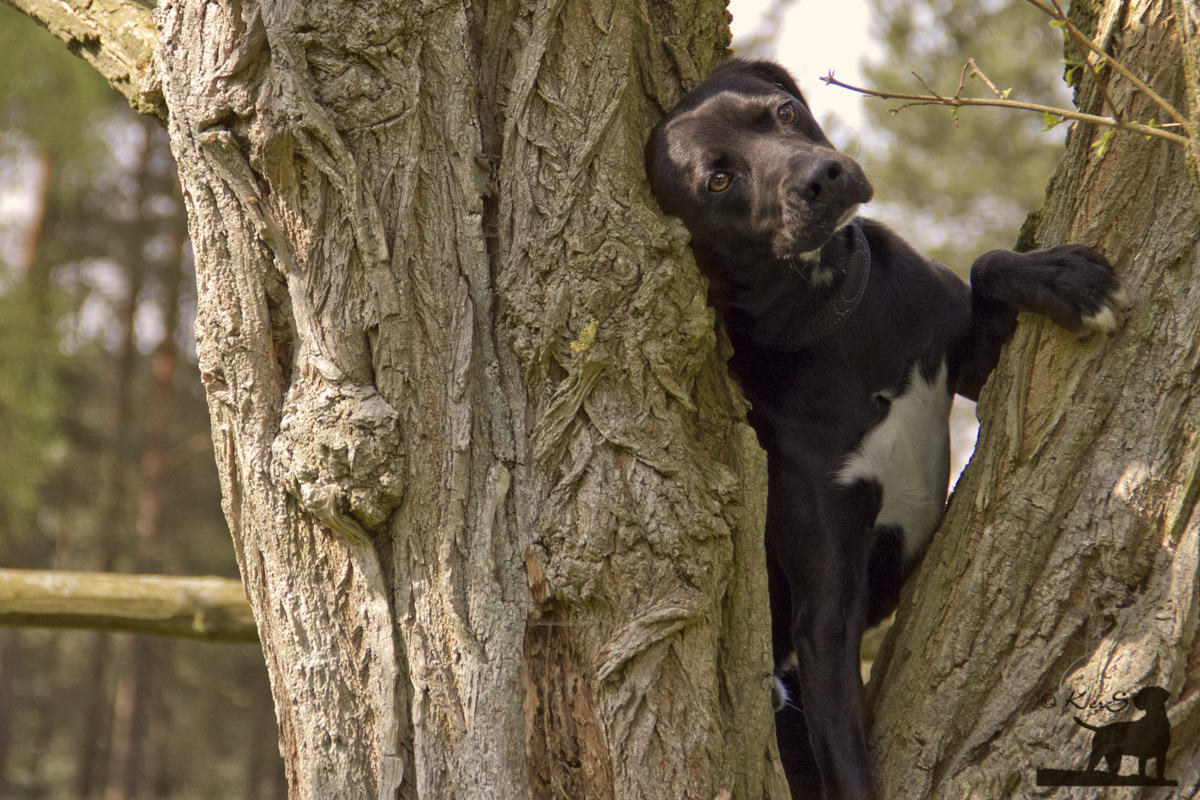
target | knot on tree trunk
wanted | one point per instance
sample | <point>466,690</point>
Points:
<point>339,453</point>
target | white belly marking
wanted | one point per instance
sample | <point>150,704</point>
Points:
<point>908,454</point>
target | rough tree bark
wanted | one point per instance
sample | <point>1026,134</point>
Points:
<point>1066,569</point>
<point>494,500</point>
<point>495,503</point>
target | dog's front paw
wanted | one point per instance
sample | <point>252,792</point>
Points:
<point>1088,288</point>
<point>1073,285</point>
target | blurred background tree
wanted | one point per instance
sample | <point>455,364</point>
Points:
<point>105,457</point>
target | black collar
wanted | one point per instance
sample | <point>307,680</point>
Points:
<point>785,318</point>
<point>847,292</point>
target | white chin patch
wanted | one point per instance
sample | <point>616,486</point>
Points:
<point>844,220</point>
<point>821,276</point>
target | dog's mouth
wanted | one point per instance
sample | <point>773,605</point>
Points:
<point>801,238</point>
<point>819,192</point>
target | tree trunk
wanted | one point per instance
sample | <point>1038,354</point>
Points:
<point>11,653</point>
<point>130,718</point>
<point>95,730</point>
<point>142,658</point>
<point>495,503</point>
<point>1065,572</point>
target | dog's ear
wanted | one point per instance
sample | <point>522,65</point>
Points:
<point>659,167</point>
<point>767,71</point>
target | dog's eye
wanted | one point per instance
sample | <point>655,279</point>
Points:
<point>786,113</point>
<point>719,181</point>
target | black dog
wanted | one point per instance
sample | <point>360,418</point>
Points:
<point>1144,738</point>
<point>849,345</point>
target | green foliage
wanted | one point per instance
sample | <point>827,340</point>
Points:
<point>95,290</point>
<point>959,183</point>
<point>47,96</point>
<point>1101,144</point>
<point>27,410</point>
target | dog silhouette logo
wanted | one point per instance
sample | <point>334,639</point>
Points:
<point>1145,738</point>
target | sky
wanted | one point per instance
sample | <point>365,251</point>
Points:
<point>818,36</point>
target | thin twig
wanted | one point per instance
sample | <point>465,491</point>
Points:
<point>962,80</point>
<point>1081,45</point>
<point>928,88</point>
<point>958,102</point>
<point>1191,67</point>
<point>975,69</point>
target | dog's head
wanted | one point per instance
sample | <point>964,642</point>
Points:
<point>746,167</point>
<point>1151,697</point>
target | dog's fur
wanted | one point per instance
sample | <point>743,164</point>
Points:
<point>849,345</point>
<point>1144,738</point>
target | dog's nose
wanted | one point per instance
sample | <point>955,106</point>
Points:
<point>820,183</point>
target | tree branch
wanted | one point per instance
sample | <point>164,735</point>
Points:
<point>1187,17</point>
<point>211,609</point>
<point>117,37</point>
<point>971,65</point>
<point>958,101</point>
<point>1084,42</point>
<point>1190,138</point>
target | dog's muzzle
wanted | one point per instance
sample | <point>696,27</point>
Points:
<point>819,193</point>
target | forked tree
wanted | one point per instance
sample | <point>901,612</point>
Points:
<point>496,506</point>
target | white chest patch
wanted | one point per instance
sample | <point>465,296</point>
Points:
<point>908,454</point>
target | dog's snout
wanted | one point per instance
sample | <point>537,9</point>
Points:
<point>828,180</point>
<point>820,185</point>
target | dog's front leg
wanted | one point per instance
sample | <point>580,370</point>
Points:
<point>825,561</point>
<point>827,662</point>
<point>1073,285</point>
